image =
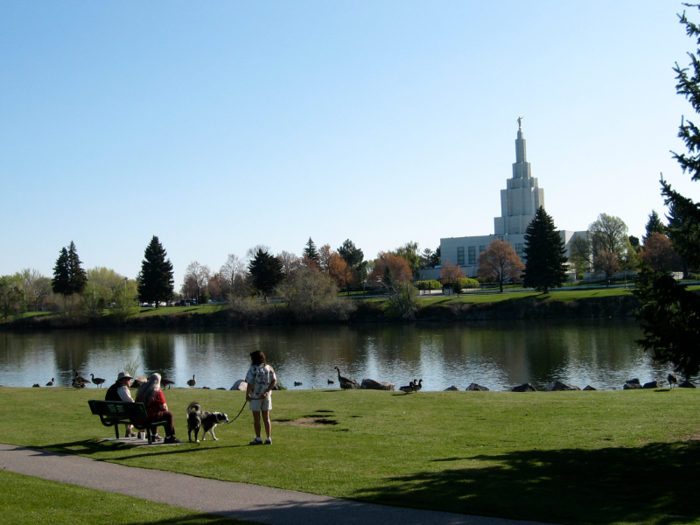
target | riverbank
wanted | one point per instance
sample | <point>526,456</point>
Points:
<point>558,457</point>
<point>591,303</point>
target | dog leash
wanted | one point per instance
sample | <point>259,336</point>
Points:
<point>239,413</point>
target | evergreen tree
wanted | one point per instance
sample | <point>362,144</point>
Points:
<point>310,251</point>
<point>355,259</point>
<point>266,272</point>
<point>545,264</point>
<point>654,225</point>
<point>68,274</point>
<point>155,281</point>
<point>669,313</point>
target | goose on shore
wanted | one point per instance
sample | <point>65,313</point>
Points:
<point>164,381</point>
<point>191,382</point>
<point>346,382</point>
<point>52,382</point>
<point>672,380</point>
<point>97,380</point>
<point>79,378</point>
<point>417,385</point>
<point>407,389</point>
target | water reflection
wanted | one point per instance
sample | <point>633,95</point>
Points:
<point>601,353</point>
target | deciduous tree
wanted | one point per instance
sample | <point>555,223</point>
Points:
<point>401,271</point>
<point>11,296</point>
<point>450,273</point>
<point>500,262</point>
<point>409,252</point>
<point>36,287</point>
<point>233,275</point>
<point>196,280</point>
<point>609,243</point>
<point>659,254</point>
<point>155,281</point>
<point>580,254</point>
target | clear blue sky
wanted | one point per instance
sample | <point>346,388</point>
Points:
<point>218,126</point>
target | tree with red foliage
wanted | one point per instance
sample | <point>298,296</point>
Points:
<point>399,268</point>
<point>659,254</point>
<point>500,262</point>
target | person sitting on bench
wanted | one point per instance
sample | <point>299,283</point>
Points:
<point>152,396</point>
<point>119,391</point>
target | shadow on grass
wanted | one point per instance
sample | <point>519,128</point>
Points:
<point>655,483</point>
<point>197,519</point>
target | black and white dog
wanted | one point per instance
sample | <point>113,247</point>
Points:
<point>197,418</point>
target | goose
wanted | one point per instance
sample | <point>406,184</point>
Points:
<point>417,385</point>
<point>52,382</point>
<point>191,382</point>
<point>298,383</point>
<point>97,380</point>
<point>36,385</point>
<point>331,382</point>
<point>346,382</point>
<point>138,381</point>
<point>408,388</point>
<point>79,378</point>
<point>167,382</point>
<point>78,384</point>
<point>672,380</point>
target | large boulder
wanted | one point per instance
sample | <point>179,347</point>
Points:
<point>477,388</point>
<point>556,386</point>
<point>525,387</point>
<point>452,389</point>
<point>589,387</point>
<point>687,384</point>
<point>240,385</point>
<point>651,384</point>
<point>632,384</point>
<point>372,384</point>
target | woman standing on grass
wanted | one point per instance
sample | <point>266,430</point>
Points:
<point>261,380</point>
<point>152,396</point>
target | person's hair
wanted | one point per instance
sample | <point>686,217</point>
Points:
<point>258,358</point>
<point>147,391</point>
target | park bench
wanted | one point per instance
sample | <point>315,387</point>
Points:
<point>114,413</point>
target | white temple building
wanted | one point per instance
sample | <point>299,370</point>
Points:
<point>519,203</point>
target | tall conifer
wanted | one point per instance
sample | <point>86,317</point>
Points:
<point>266,272</point>
<point>69,277</point>
<point>156,281</point>
<point>544,249</point>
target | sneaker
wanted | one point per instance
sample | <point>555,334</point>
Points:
<point>256,441</point>
<point>268,441</point>
<point>172,439</point>
<point>130,435</point>
<point>156,437</point>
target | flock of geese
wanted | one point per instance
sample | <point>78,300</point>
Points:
<point>345,382</point>
<point>79,381</point>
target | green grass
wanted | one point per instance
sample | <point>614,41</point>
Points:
<point>27,500</point>
<point>562,457</point>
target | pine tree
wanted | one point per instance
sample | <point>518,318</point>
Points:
<point>60,283</point>
<point>668,312</point>
<point>354,258</point>
<point>266,272</point>
<point>654,225</point>
<point>310,251</point>
<point>155,281</point>
<point>69,277</point>
<point>544,249</point>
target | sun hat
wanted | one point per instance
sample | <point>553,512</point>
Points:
<point>123,375</point>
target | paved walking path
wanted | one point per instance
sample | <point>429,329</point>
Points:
<point>235,500</point>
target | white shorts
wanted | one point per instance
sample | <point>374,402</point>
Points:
<point>264,404</point>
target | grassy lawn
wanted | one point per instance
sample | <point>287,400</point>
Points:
<point>28,501</point>
<point>614,457</point>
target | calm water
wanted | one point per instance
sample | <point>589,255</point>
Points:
<point>601,353</point>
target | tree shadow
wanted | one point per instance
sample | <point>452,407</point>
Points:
<point>655,483</point>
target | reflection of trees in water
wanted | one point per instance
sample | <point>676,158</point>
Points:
<point>71,352</point>
<point>157,352</point>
